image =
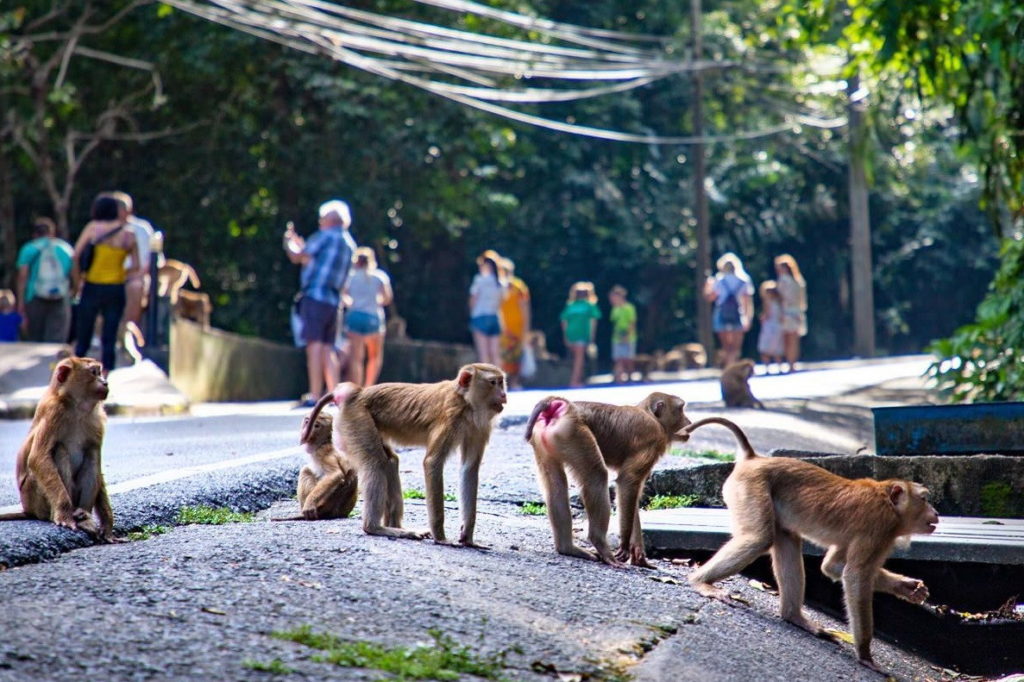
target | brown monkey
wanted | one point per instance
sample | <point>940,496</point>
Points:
<point>328,485</point>
<point>442,416</point>
<point>590,438</point>
<point>735,386</point>
<point>777,501</point>
<point>58,466</point>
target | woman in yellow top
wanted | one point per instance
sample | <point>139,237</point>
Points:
<point>101,287</point>
<point>515,322</point>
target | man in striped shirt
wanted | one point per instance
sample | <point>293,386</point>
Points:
<point>325,259</point>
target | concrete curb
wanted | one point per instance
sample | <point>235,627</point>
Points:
<point>251,488</point>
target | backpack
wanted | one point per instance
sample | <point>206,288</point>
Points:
<point>51,279</point>
<point>729,311</point>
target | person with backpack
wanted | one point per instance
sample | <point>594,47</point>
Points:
<point>732,293</point>
<point>100,270</point>
<point>44,284</point>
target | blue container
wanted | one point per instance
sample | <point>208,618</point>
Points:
<point>978,428</point>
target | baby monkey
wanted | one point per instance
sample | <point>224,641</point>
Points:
<point>328,485</point>
<point>775,502</point>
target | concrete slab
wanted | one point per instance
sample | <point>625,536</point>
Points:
<point>956,539</point>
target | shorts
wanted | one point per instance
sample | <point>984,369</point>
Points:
<point>360,322</point>
<point>488,325</point>
<point>719,326</point>
<point>319,321</point>
<point>625,350</point>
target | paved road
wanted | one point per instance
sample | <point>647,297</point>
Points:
<point>144,451</point>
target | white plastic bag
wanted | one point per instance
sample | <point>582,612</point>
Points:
<point>527,363</point>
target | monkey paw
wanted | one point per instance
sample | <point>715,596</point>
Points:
<point>711,592</point>
<point>472,545</point>
<point>912,590</point>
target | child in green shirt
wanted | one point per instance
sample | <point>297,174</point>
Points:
<point>623,319</point>
<point>579,322</point>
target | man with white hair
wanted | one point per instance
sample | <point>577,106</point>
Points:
<point>325,259</point>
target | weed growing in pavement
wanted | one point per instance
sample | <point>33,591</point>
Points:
<point>413,494</point>
<point>213,516</point>
<point>275,666</point>
<point>146,532</point>
<point>671,501</point>
<point>716,455</point>
<point>533,509</point>
<point>442,660</point>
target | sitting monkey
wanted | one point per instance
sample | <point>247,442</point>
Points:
<point>736,387</point>
<point>328,485</point>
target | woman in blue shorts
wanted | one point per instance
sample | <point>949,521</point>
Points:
<point>485,296</point>
<point>366,292</point>
<point>732,293</point>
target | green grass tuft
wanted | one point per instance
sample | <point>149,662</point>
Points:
<point>276,666</point>
<point>413,494</point>
<point>716,455</point>
<point>213,516</point>
<point>533,509</point>
<point>672,501</point>
<point>146,532</point>
<point>442,660</point>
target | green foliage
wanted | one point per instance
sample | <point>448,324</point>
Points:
<point>213,516</point>
<point>147,532</point>
<point>983,360</point>
<point>442,660</point>
<point>275,666</point>
<point>997,500</point>
<point>533,509</point>
<point>672,501</point>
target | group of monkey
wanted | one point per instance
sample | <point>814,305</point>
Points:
<point>774,502</point>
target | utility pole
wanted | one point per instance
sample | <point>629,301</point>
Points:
<point>700,199</point>
<point>860,227</point>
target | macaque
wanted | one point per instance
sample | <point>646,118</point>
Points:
<point>588,439</point>
<point>195,306</point>
<point>58,466</point>
<point>735,386</point>
<point>775,502</point>
<point>443,416</point>
<point>328,485</point>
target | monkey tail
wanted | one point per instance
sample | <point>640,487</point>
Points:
<point>746,451</point>
<point>15,516</point>
<point>537,409</point>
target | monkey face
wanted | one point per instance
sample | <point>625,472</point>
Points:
<point>483,384</point>
<point>82,377</point>
<point>320,433</point>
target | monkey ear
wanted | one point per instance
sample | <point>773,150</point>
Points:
<point>63,371</point>
<point>465,376</point>
<point>896,493</point>
<point>658,408</point>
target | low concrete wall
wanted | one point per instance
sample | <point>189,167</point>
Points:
<point>977,485</point>
<point>211,365</point>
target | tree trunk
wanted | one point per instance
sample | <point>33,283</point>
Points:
<point>8,236</point>
<point>700,199</point>
<point>860,229</point>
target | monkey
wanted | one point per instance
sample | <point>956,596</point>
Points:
<point>195,306</point>
<point>442,416</point>
<point>58,466</point>
<point>735,386</point>
<point>173,275</point>
<point>588,439</point>
<point>328,485</point>
<point>775,502</point>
